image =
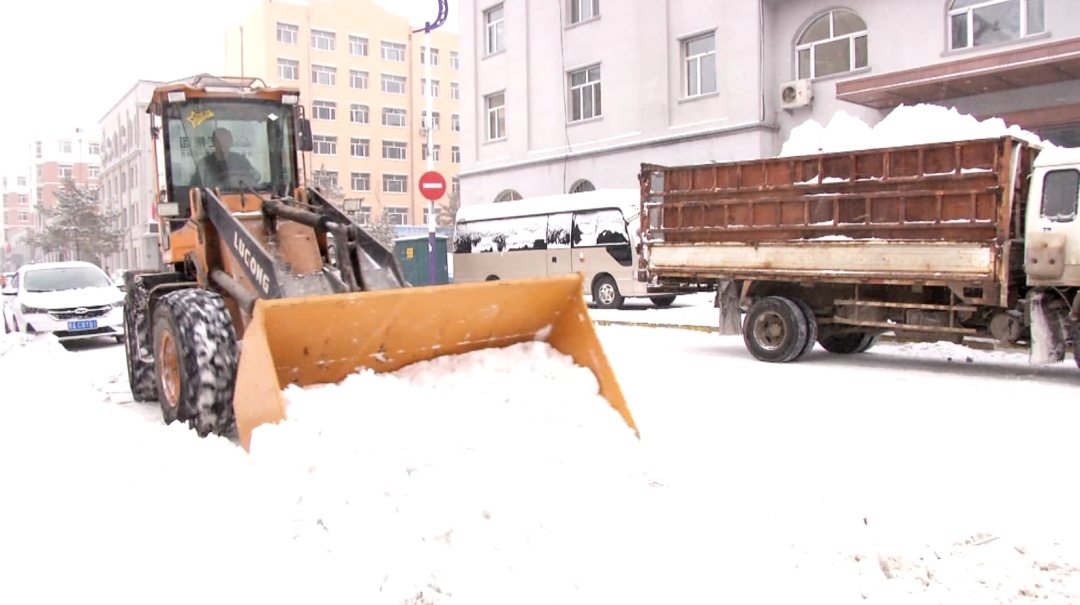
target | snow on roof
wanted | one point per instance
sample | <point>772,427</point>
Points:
<point>629,200</point>
<point>905,125</point>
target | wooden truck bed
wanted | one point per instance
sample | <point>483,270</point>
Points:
<point>933,214</point>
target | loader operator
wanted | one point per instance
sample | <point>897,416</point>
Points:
<point>224,168</point>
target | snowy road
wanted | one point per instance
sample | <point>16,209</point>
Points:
<point>904,470</point>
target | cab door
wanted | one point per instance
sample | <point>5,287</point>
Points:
<point>559,259</point>
<point>1052,242</point>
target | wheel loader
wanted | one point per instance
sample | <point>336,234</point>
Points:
<point>252,297</point>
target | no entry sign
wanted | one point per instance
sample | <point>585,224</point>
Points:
<point>432,185</point>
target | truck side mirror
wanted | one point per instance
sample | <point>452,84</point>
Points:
<point>303,135</point>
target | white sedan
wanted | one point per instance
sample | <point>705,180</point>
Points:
<point>72,300</point>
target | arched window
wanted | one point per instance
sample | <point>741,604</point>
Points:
<point>981,22</point>
<point>582,185</point>
<point>833,43</point>
<point>508,195</point>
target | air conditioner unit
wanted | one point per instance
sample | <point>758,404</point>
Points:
<point>797,93</point>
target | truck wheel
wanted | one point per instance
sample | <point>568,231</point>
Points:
<point>195,360</point>
<point>662,301</point>
<point>136,336</point>
<point>775,330</point>
<point>847,344</point>
<point>870,342</point>
<point>605,293</point>
<point>811,327</point>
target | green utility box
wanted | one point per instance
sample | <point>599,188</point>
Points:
<point>412,255</point>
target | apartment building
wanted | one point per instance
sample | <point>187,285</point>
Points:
<point>572,95</point>
<point>127,178</point>
<point>74,154</point>
<point>361,75</point>
<point>16,217</point>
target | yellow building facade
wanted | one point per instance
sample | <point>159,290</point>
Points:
<point>361,74</point>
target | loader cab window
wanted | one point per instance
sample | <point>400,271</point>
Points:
<point>223,144</point>
<point>1061,192</point>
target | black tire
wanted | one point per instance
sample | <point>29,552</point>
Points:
<point>195,360</point>
<point>663,301</point>
<point>847,344</point>
<point>774,329</point>
<point>870,342</point>
<point>605,293</point>
<point>811,328</point>
<point>137,335</point>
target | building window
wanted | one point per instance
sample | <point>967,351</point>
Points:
<point>323,74</point>
<point>66,171</point>
<point>392,51</point>
<point>287,34</point>
<point>393,116</point>
<point>94,148</point>
<point>358,46</point>
<point>434,153</point>
<point>64,146</point>
<point>833,43</point>
<point>396,215</point>
<point>323,40</point>
<point>360,148</point>
<point>433,92</point>
<point>455,122</point>
<point>395,183</point>
<point>288,69</point>
<point>434,56</point>
<point>24,216</point>
<point>94,171</point>
<point>455,61</point>
<point>455,91</point>
<point>585,94</point>
<point>582,186</point>
<point>324,110</point>
<point>700,57</point>
<point>395,150</point>
<point>508,195</point>
<point>433,123</point>
<point>981,22</point>
<point>455,185</point>
<point>358,79</point>
<point>325,178</point>
<point>493,30</point>
<point>20,181</point>
<point>361,181</point>
<point>324,144</point>
<point>455,154</point>
<point>24,200</point>
<point>358,114</point>
<point>394,85</point>
<point>583,10</point>
<point>40,197</point>
<point>37,149</point>
<point>496,116</point>
<point>40,173</point>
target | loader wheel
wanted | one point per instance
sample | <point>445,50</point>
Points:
<point>847,344</point>
<point>195,360</point>
<point>662,301</point>
<point>811,328</point>
<point>137,336</point>
<point>775,330</point>
<point>605,293</point>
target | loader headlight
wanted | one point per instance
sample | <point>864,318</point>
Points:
<point>32,310</point>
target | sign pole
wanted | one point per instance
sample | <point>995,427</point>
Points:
<point>432,266</point>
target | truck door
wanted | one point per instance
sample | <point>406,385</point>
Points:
<point>1052,255</point>
<point>558,244</point>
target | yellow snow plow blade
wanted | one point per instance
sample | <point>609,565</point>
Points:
<point>323,339</point>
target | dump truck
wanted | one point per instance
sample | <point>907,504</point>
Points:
<point>971,241</point>
<point>268,283</point>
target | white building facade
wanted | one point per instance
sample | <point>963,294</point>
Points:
<point>569,95</point>
<point>127,178</point>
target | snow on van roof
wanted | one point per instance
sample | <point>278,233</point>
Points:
<point>629,200</point>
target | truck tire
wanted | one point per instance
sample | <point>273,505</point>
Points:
<point>775,330</point>
<point>605,293</point>
<point>195,360</point>
<point>136,336</point>
<point>847,344</point>
<point>811,328</point>
<point>663,301</point>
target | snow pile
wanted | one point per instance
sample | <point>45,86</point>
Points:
<point>489,477</point>
<point>905,125</point>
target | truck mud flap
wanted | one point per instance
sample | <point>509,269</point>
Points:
<point>727,299</point>
<point>1049,332</point>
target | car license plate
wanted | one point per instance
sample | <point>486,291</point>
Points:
<point>85,324</point>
